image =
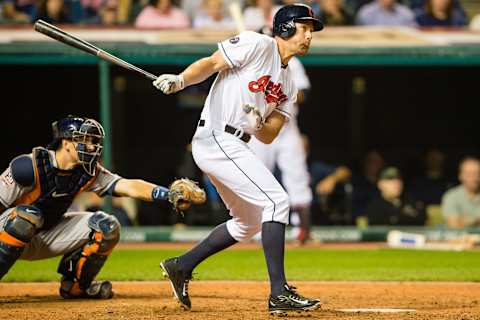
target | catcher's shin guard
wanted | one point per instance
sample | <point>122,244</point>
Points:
<point>19,230</point>
<point>80,267</point>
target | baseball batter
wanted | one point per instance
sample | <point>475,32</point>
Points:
<point>253,94</point>
<point>37,189</point>
<point>288,153</point>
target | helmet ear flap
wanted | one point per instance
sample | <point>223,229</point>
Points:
<point>287,29</point>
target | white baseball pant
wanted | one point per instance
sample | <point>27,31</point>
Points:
<point>247,187</point>
<point>288,152</point>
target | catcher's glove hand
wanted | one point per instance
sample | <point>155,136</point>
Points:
<point>183,192</point>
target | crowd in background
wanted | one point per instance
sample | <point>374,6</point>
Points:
<point>378,194</point>
<point>214,14</point>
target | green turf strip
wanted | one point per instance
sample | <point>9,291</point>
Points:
<point>301,264</point>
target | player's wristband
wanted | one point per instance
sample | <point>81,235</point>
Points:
<point>159,194</point>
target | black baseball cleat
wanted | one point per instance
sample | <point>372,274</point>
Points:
<point>178,280</point>
<point>290,301</point>
<point>96,290</point>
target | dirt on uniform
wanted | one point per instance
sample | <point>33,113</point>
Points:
<point>245,300</point>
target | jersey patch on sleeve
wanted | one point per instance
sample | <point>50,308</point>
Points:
<point>22,170</point>
<point>234,40</point>
<point>7,179</point>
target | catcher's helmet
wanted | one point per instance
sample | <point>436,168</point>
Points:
<point>87,133</point>
<point>285,18</point>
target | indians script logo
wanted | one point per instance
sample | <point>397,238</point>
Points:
<point>273,91</point>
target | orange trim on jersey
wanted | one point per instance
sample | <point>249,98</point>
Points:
<point>89,183</point>
<point>33,195</point>
<point>10,240</point>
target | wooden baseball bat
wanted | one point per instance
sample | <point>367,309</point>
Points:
<point>69,39</point>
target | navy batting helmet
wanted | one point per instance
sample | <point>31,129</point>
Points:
<point>87,133</point>
<point>285,18</point>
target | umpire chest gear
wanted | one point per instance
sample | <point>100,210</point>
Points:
<point>285,18</point>
<point>53,189</point>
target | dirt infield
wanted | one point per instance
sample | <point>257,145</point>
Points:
<point>245,300</point>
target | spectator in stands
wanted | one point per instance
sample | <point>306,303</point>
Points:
<point>433,183</point>
<point>475,23</point>
<point>419,5</point>
<point>260,14</point>
<point>109,13</point>
<point>213,17</point>
<point>105,15</point>
<point>461,205</point>
<point>333,13</point>
<point>192,7</point>
<point>18,11</point>
<point>54,11</point>
<point>355,5</point>
<point>394,207</point>
<point>385,13</point>
<point>91,10</point>
<point>332,177</point>
<point>440,13</point>
<point>162,14</point>
<point>365,184</point>
<point>332,190</point>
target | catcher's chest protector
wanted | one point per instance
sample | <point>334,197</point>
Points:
<point>54,189</point>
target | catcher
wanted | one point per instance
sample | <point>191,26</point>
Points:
<point>37,189</point>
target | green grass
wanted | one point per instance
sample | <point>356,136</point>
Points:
<point>301,264</point>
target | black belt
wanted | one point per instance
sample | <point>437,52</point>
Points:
<point>245,137</point>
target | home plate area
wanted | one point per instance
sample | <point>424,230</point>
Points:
<point>248,300</point>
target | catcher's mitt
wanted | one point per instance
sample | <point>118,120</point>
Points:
<point>183,192</point>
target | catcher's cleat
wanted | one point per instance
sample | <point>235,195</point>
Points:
<point>96,290</point>
<point>178,280</point>
<point>290,301</point>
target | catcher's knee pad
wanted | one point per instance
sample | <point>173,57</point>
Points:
<point>80,267</point>
<point>108,226</point>
<point>18,231</point>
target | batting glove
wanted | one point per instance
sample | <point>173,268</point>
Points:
<point>169,83</point>
<point>254,118</point>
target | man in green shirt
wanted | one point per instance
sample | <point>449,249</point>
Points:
<point>461,205</point>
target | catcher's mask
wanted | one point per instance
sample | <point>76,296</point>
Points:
<point>88,135</point>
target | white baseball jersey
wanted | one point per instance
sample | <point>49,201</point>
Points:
<point>287,150</point>
<point>256,76</point>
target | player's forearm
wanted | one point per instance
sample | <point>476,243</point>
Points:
<point>267,134</point>
<point>202,69</point>
<point>198,72</point>
<point>271,128</point>
<point>135,188</point>
<point>342,174</point>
